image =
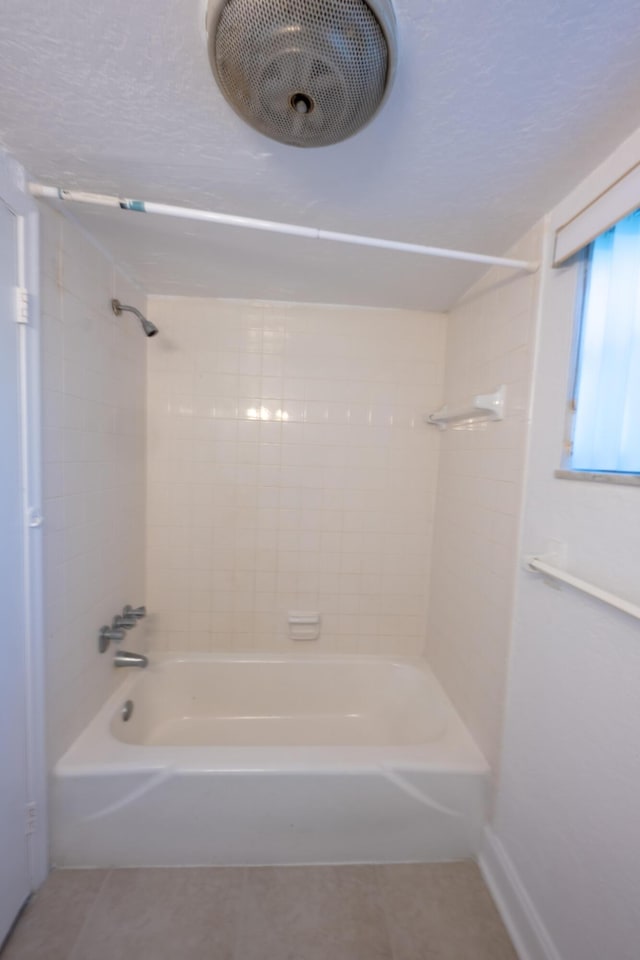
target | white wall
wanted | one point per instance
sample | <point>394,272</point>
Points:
<point>490,341</point>
<point>94,383</point>
<point>567,822</point>
<point>330,509</point>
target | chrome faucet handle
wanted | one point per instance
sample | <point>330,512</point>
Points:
<point>124,623</point>
<point>137,612</point>
<point>109,635</point>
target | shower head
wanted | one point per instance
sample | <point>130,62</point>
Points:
<point>149,328</point>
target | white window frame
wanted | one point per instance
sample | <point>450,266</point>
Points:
<point>580,263</point>
<point>607,195</point>
<point>580,266</point>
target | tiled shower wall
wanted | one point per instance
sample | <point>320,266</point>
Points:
<point>290,469</point>
<point>490,341</point>
<point>94,386</point>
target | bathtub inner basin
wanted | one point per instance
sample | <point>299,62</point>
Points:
<point>288,702</point>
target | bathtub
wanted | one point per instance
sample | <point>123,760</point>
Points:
<point>254,759</point>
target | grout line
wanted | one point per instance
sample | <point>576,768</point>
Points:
<point>380,884</point>
<point>239,914</point>
<point>89,914</point>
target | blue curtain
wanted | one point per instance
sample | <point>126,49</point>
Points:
<point>607,420</point>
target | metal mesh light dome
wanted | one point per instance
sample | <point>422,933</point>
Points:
<point>305,72</point>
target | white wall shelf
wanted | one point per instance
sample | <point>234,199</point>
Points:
<point>483,406</point>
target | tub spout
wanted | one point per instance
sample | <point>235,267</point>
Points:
<point>123,658</point>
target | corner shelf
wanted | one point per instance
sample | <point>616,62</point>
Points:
<point>483,406</point>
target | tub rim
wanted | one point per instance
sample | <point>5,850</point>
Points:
<point>98,752</point>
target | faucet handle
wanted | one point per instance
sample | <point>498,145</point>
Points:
<point>109,635</point>
<point>124,623</point>
<point>137,612</point>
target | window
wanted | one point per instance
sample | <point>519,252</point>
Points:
<point>606,396</point>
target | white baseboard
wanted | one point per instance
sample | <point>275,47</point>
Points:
<point>529,935</point>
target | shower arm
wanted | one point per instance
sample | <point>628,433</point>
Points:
<point>272,226</point>
<point>120,308</point>
<point>149,329</point>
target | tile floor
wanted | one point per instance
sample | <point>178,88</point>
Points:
<point>405,912</point>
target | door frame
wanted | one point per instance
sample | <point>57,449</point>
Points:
<point>15,194</point>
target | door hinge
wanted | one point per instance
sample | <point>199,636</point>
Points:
<point>30,819</point>
<point>22,305</point>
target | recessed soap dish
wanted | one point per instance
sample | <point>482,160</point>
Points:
<point>304,625</point>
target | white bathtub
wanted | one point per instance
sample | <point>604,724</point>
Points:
<point>243,759</point>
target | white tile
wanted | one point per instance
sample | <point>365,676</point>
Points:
<point>477,505</point>
<point>297,462</point>
<point>93,477</point>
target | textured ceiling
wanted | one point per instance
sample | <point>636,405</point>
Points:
<point>498,108</point>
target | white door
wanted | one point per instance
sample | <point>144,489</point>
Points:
<point>14,864</point>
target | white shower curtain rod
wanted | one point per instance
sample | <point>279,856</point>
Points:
<point>271,226</point>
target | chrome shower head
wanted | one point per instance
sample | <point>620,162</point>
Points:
<point>149,328</point>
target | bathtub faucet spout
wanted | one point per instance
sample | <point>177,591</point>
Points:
<point>123,658</point>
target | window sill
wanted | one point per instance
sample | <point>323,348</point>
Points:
<point>622,479</point>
